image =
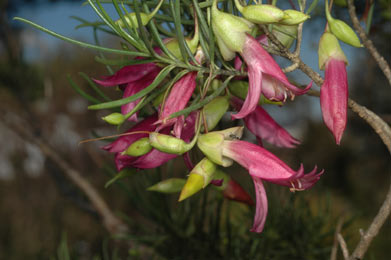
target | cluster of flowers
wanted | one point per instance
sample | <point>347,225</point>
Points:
<point>160,137</point>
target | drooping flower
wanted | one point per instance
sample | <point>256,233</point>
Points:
<point>334,91</point>
<point>263,126</point>
<point>132,79</point>
<point>261,164</point>
<point>265,76</point>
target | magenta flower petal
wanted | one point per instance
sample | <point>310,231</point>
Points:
<point>334,97</point>
<point>179,95</point>
<point>253,95</point>
<point>260,206</point>
<point>265,165</point>
<point>128,74</point>
<point>134,87</point>
<point>263,126</point>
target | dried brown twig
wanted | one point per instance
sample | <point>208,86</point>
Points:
<point>20,127</point>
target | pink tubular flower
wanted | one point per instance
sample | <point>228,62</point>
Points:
<point>263,126</point>
<point>334,98</point>
<point>265,76</point>
<point>177,100</point>
<point>334,91</point>
<point>133,78</point>
<point>263,165</point>
<point>154,158</point>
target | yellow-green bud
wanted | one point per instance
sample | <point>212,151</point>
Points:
<point>199,178</point>
<point>329,47</point>
<point>341,30</point>
<point>211,144</point>
<point>261,14</point>
<point>131,20</point>
<point>168,143</point>
<point>239,89</point>
<point>114,118</point>
<point>214,111</point>
<point>172,185</point>
<point>230,32</point>
<point>293,17</point>
<point>139,147</point>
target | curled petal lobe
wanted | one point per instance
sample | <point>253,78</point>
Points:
<point>334,98</point>
<point>260,206</point>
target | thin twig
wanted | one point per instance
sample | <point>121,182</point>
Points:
<point>112,224</point>
<point>344,247</point>
<point>373,230</point>
<point>334,250</point>
<point>383,65</point>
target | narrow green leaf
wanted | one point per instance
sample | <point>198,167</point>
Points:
<point>116,103</point>
<point>83,44</point>
<point>127,172</point>
<point>122,62</point>
<point>81,92</point>
<point>312,7</point>
<point>94,86</point>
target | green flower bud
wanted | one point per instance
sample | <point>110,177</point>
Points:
<point>131,18</point>
<point>286,34</point>
<point>341,30</point>
<point>172,185</point>
<point>114,118</point>
<point>199,178</point>
<point>214,111</point>
<point>168,143</point>
<point>173,46</point>
<point>329,47</point>
<point>293,17</point>
<point>239,89</point>
<point>138,148</point>
<point>230,32</point>
<point>261,14</point>
<point>211,144</point>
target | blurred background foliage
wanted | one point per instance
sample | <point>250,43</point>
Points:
<point>44,216</point>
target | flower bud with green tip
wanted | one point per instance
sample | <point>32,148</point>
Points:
<point>199,178</point>
<point>262,13</point>
<point>131,18</point>
<point>341,30</point>
<point>239,89</point>
<point>214,111</point>
<point>329,47</point>
<point>230,32</point>
<point>169,144</point>
<point>293,17</point>
<point>138,148</point>
<point>172,44</point>
<point>172,185</point>
<point>114,118</point>
<point>211,144</point>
